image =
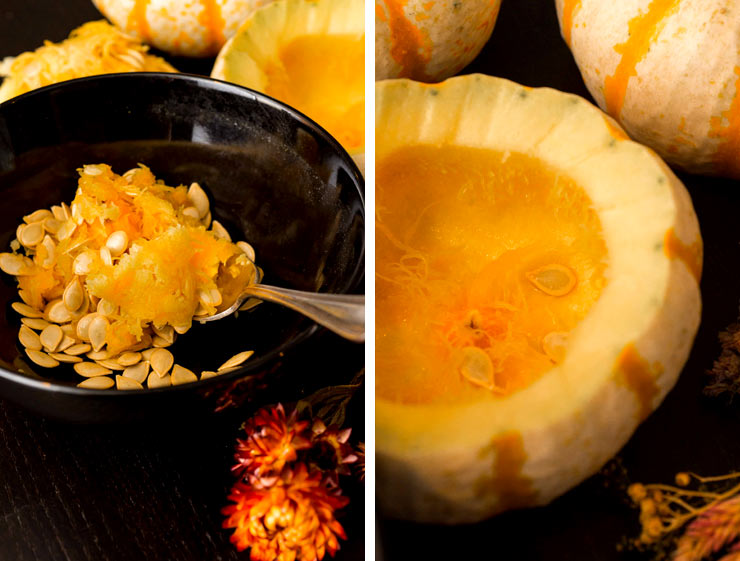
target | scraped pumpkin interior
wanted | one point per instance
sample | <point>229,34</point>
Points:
<point>322,76</point>
<point>486,261</point>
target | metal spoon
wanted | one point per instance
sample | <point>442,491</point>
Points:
<point>344,314</point>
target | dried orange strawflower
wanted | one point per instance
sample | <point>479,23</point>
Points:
<point>273,438</point>
<point>292,520</point>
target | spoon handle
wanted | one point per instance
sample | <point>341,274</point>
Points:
<point>344,314</point>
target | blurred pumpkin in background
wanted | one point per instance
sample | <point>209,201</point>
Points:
<point>197,28</point>
<point>667,70</point>
<point>430,40</point>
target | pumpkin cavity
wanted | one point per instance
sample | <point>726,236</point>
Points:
<point>486,261</point>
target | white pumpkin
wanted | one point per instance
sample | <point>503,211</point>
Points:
<point>196,28</point>
<point>430,41</point>
<point>462,434</point>
<point>667,71</point>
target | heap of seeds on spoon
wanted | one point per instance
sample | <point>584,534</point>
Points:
<point>108,282</point>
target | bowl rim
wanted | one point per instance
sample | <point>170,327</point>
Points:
<point>254,365</point>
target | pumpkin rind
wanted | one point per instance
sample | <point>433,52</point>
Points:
<point>430,41</point>
<point>465,462</point>
<point>198,28</point>
<point>667,70</point>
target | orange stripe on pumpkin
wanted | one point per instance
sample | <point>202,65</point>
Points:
<point>137,21</point>
<point>727,129</point>
<point>643,29</point>
<point>691,255</point>
<point>570,9</point>
<point>410,47</point>
<point>639,376</point>
<point>507,481</point>
<point>211,19</point>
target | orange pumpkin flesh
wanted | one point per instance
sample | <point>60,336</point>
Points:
<point>317,75</point>
<point>469,271</point>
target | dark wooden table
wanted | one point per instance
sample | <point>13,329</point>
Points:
<point>689,432</point>
<point>153,492</point>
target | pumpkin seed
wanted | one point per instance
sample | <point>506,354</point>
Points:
<point>124,383</point>
<point>199,199</point>
<point>13,264</point>
<point>161,361</point>
<point>66,230</point>
<point>74,295</point>
<point>200,310</point>
<point>554,345</point>
<point>181,329</point>
<point>167,332</point>
<point>91,369</point>
<point>107,308</point>
<point>29,338</point>
<point>92,170</point>
<point>147,354</point>
<point>70,330</point>
<point>97,331</point>
<point>207,220</point>
<point>58,213</point>
<point>57,312</point>
<point>181,375</point>
<point>41,358</point>
<point>51,249</point>
<point>476,367</point>
<point>249,303</point>
<point>66,211</point>
<point>82,264</point>
<point>26,310</point>
<point>63,357</point>
<point>219,231</point>
<point>117,242</point>
<point>32,234</point>
<point>52,225</point>
<point>98,383</point>
<point>79,349</point>
<point>247,250</point>
<point>106,256</point>
<point>137,372</point>
<point>111,363</point>
<point>26,297</point>
<point>66,343</point>
<point>236,360</point>
<point>35,323</point>
<point>83,326</point>
<point>209,374</point>
<point>129,359</point>
<point>38,216</point>
<point>155,381</point>
<point>553,279</point>
<point>99,355</point>
<point>158,341</point>
<point>210,297</point>
<point>191,211</point>
<point>51,337</point>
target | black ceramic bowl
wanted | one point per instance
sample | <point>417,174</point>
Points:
<point>274,177</point>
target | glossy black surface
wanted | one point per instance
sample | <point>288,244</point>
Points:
<point>273,178</point>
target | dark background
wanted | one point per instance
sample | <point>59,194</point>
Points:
<point>689,432</point>
<point>139,492</point>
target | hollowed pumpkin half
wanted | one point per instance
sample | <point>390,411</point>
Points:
<point>536,294</point>
<point>310,55</point>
